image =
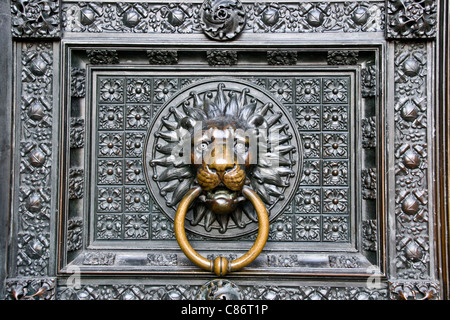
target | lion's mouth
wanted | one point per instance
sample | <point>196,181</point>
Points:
<point>221,192</point>
<point>221,199</point>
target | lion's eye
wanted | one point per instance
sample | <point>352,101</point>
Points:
<point>201,147</point>
<point>240,148</point>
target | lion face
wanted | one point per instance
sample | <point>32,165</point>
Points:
<point>223,157</point>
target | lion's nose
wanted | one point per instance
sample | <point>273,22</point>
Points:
<point>221,165</point>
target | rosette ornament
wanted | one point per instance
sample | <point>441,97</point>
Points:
<point>222,19</point>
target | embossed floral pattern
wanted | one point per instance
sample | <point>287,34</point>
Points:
<point>110,117</point>
<point>164,89</point>
<point>162,228</point>
<point>134,144</point>
<point>335,200</point>
<point>335,146</point>
<point>138,117</point>
<point>335,90</point>
<point>311,173</point>
<point>308,228</point>
<point>307,200</point>
<point>281,229</point>
<point>110,172</point>
<point>136,226</point>
<point>311,145</point>
<point>109,199</point>
<point>109,226</point>
<point>139,90</point>
<point>281,89</point>
<point>110,145</point>
<point>335,229</point>
<point>137,199</point>
<point>335,118</point>
<point>111,90</point>
<point>134,172</point>
<point>335,172</point>
<point>308,117</point>
<point>308,91</point>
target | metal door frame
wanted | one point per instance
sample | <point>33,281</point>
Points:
<point>434,46</point>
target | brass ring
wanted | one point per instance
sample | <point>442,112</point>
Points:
<point>221,266</point>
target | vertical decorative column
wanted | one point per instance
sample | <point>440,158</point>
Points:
<point>411,26</point>
<point>36,123</point>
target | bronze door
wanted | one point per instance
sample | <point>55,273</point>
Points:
<point>120,114</point>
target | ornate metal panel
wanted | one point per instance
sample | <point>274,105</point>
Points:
<point>104,92</point>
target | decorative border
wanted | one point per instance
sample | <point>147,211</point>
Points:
<point>34,136</point>
<point>411,19</point>
<point>185,18</point>
<point>407,19</point>
<point>412,216</point>
<point>35,19</point>
<point>189,292</point>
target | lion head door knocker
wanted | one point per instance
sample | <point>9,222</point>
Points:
<point>223,155</point>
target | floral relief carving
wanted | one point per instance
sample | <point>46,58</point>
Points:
<point>335,90</point>
<point>222,57</point>
<point>369,233</point>
<point>335,172</point>
<point>311,145</point>
<point>78,82</point>
<point>99,258</point>
<point>281,229</point>
<point>164,88</point>
<point>74,234</point>
<point>311,173</point>
<point>308,90</point>
<point>369,132</point>
<point>369,81</point>
<point>34,156</point>
<point>411,19</point>
<point>134,144</point>
<point>340,57</point>
<point>181,18</point>
<point>111,90</point>
<point>139,90</point>
<point>335,229</point>
<point>76,183</point>
<point>110,144</point>
<point>307,200</point>
<point>35,18</point>
<point>136,226</point>
<point>412,247</point>
<point>109,226</point>
<point>110,171</point>
<point>97,57</point>
<point>133,172</point>
<point>30,289</point>
<point>307,228</point>
<point>335,145</point>
<point>138,117</point>
<point>369,183</point>
<point>308,117</point>
<point>137,199</point>
<point>76,133</point>
<point>162,57</point>
<point>281,89</point>
<point>335,118</point>
<point>109,199</point>
<point>335,200</point>
<point>110,117</point>
<point>162,228</point>
<point>280,57</point>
